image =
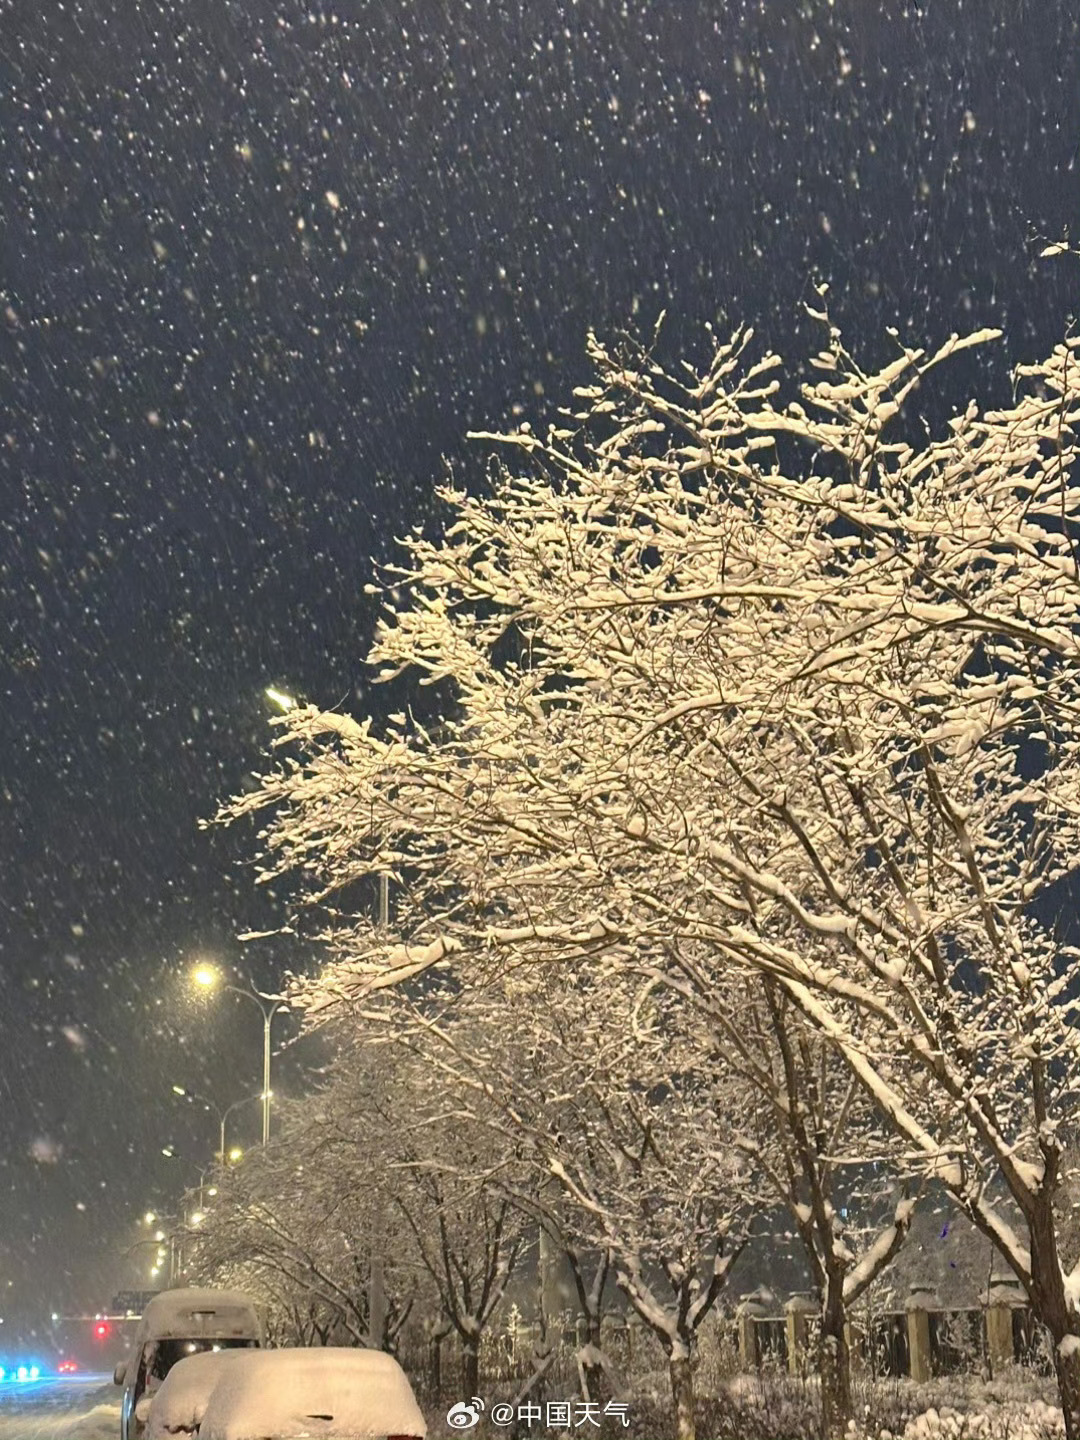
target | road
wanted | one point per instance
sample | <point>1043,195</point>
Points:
<point>65,1407</point>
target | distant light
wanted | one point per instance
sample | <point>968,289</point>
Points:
<point>212,1190</point>
<point>149,1217</point>
<point>159,1235</point>
<point>169,1151</point>
<point>206,976</point>
<point>179,1089</point>
<point>153,1271</point>
<point>21,1373</point>
<point>235,1154</point>
<point>198,1218</point>
<point>34,1372</point>
<point>280,699</point>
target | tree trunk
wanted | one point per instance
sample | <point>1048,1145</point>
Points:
<point>1050,1305</point>
<point>1067,1366</point>
<point>682,1392</point>
<point>834,1363</point>
<point>470,1368</point>
<point>592,1372</point>
<point>435,1365</point>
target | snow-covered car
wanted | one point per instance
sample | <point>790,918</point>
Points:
<point>176,1324</point>
<point>317,1394</point>
<point>177,1408</point>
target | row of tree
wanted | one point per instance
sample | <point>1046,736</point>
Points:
<point>754,758</point>
<point>454,1126</point>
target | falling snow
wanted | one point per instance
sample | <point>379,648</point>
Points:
<point>264,267</point>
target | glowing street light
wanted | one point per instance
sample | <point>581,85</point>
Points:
<point>222,1115</point>
<point>207,978</point>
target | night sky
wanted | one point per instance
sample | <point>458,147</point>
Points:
<point>262,265</point>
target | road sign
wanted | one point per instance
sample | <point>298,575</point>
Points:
<point>131,1302</point>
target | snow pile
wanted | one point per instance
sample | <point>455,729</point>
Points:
<point>101,1422</point>
<point>1035,1420</point>
<point>332,1393</point>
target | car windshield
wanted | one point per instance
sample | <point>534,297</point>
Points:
<point>170,1351</point>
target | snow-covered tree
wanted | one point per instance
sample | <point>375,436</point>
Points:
<point>454,1192</point>
<point>295,1221</point>
<point>616,1113</point>
<point>812,1134</point>
<point>789,683</point>
<point>502,1071</point>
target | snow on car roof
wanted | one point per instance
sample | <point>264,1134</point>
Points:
<point>183,1313</point>
<point>178,1406</point>
<point>333,1393</point>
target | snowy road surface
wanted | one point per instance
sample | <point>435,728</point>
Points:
<point>77,1407</point>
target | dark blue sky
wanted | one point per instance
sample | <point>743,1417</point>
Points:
<point>262,265</point>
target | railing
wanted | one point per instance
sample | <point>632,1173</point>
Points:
<point>922,1341</point>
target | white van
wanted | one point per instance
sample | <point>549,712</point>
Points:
<point>178,1323</point>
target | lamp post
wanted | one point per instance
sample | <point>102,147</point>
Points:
<point>189,1219</point>
<point>171,1153</point>
<point>194,1097</point>
<point>208,978</point>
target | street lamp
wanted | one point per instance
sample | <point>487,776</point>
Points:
<point>208,978</point>
<point>194,1097</point>
<point>171,1153</point>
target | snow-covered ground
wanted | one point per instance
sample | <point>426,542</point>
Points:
<point>83,1409</point>
<point>1017,1406</point>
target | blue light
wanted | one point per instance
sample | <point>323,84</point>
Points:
<point>22,1373</point>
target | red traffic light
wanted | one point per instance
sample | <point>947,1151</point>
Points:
<point>101,1329</point>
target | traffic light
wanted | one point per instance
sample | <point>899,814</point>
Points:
<point>101,1329</point>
